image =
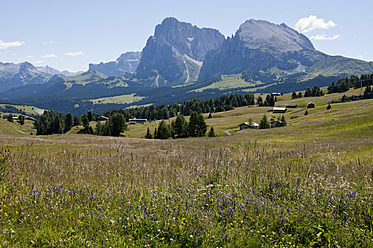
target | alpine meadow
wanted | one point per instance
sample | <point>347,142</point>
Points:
<point>257,139</point>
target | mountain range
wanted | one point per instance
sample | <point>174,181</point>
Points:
<point>127,62</point>
<point>49,70</point>
<point>276,50</point>
<point>17,75</point>
<point>180,62</point>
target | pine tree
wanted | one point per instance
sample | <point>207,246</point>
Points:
<point>264,123</point>
<point>211,132</point>
<point>259,101</point>
<point>283,121</point>
<point>90,116</point>
<point>164,131</point>
<point>69,122</point>
<point>21,119</point>
<point>180,127</point>
<point>202,127</point>
<point>118,124</point>
<point>148,134</point>
<point>56,125</point>
<point>77,120</point>
<point>10,118</point>
<point>98,129</point>
<point>193,124</point>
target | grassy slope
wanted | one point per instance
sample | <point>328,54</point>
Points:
<point>228,82</point>
<point>229,120</point>
<point>30,110</point>
<point>15,129</point>
<point>307,184</point>
<point>122,99</point>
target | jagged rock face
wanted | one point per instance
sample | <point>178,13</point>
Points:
<point>48,69</point>
<point>176,51</point>
<point>260,45</point>
<point>127,62</point>
<point>15,75</point>
<point>261,35</point>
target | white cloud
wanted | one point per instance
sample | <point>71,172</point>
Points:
<point>48,42</point>
<point>74,54</point>
<point>310,23</point>
<point>30,57</point>
<point>50,56</point>
<point>6,45</point>
<point>38,62</point>
<point>324,37</point>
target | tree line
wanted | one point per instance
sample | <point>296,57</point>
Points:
<point>220,104</point>
<point>368,94</point>
<point>55,123</point>
<point>315,91</point>
<point>270,100</point>
<point>344,84</point>
<point>181,128</point>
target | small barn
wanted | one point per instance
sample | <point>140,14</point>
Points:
<point>279,110</point>
<point>102,118</point>
<point>135,121</point>
<point>276,94</point>
<point>248,125</point>
<point>30,118</point>
<point>291,106</point>
<point>311,105</point>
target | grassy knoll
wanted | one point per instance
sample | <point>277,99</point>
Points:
<point>229,82</point>
<point>229,120</point>
<point>122,99</point>
<point>308,184</point>
<point>14,128</point>
<point>29,110</point>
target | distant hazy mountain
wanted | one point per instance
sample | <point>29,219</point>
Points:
<point>175,53</point>
<point>266,48</point>
<point>127,62</point>
<point>15,75</point>
<point>49,70</point>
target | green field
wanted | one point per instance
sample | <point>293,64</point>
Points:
<point>308,184</point>
<point>122,99</point>
<point>30,110</point>
<point>229,82</point>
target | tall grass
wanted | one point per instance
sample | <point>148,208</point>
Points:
<point>119,193</point>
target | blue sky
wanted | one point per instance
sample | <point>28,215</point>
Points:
<point>71,34</point>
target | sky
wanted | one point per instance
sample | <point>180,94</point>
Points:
<point>71,34</point>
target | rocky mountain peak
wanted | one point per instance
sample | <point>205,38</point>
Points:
<point>259,46</point>
<point>259,34</point>
<point>126,62</point>
<point>176,51</point>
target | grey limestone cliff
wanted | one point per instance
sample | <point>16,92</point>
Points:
<point>259,46</point>
<point>175,53</point>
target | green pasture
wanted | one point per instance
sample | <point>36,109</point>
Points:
<point>121,99</point>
